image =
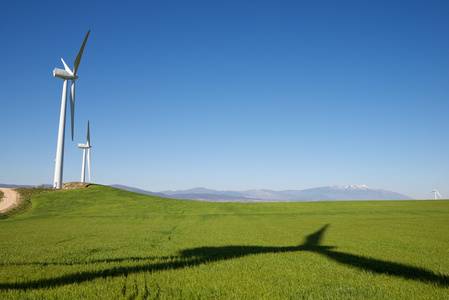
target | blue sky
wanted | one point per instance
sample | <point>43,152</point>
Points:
<point>231,95</point>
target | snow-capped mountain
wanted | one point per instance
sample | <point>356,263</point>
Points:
<point>350,187</point>
<point>351,192</point>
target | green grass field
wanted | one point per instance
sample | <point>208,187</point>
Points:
<point>101,242</point>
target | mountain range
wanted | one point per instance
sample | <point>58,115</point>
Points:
<point>327,193</point>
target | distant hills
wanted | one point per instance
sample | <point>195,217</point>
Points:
<point>16,186</point>
<point>327,193</point>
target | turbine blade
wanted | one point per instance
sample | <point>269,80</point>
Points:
<point>78,57</point>
<point>88,134</point>
<point>67,67</point>
<point>72,104</point>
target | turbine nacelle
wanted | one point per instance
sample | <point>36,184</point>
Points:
<point>64,74</point>
<point>84,146</point>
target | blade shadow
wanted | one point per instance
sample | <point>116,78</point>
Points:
<point>203,255</point>
<point>387,267</point>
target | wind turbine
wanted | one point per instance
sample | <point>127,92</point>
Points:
<point>84,147</point>
<point>67,75</point>
<point>437,194</point>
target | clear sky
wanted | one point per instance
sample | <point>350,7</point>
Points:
<point>231,95</point>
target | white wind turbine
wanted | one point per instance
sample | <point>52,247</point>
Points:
<point>437,194</point>
<point>67,75</point>
<point>84,147</point>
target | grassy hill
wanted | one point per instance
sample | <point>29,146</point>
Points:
<point>101,242</point>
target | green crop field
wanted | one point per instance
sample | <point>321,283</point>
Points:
<point>105,243</point>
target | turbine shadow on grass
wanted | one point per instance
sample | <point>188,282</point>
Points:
<point>203,255</point>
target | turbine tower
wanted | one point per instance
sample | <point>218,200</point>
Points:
<point>84,147</point>
<point>437,194</point>
<point>67,75</point>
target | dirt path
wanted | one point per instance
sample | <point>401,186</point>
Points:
<point>9,200</point>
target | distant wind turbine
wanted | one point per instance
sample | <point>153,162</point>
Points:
<point>67,75</point>
<point>84,147</point>
<point>437,194</point>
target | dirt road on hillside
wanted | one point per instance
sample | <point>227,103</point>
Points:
<point>10,199</point>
